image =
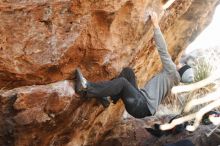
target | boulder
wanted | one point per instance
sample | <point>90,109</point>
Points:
<point>132,132</point>
<point>43,42</point>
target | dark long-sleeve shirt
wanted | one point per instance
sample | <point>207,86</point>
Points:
<point>160,85</point>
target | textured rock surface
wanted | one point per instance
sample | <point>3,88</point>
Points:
<point>52,115</point>
<point>130,132</point>
<point>44,41</point>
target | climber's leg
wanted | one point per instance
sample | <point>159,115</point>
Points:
<point>135,102</point>
<point>104,101</point>
<point>128,74</point>
<point>81,86</point>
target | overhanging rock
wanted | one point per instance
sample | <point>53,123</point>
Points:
<point>42,43</point>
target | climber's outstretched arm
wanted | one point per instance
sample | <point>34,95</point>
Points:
<point>168,64</point>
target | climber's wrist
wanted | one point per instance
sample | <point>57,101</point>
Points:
<point>154,19</point>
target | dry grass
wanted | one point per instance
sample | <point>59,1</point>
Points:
<point>202,70</point>
<point>171,105</point>
<point>177,103</point>
<point>196,94</point>
<point>207,93</point>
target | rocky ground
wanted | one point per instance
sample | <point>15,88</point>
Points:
<point>131,132</point>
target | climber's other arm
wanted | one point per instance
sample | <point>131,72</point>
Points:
<point>168,64</point>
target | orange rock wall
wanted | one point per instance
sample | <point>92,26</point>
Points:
<point>51,115</point>
<point>42,42</point>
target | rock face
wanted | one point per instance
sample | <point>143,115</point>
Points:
<point>42,42</point>
<point>131,132</point>
<point>52,115</point>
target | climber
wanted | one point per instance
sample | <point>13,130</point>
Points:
<point>139,102</point>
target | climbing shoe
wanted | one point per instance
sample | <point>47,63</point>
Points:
<point>81,83</point>
<point>115,98</point>
<point>104,101</point>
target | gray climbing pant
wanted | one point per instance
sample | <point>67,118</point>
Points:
<point>123,87</point>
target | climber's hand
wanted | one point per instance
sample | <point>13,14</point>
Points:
<point>154,19</point>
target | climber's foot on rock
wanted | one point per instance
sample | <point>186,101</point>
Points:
<point>104,101</point>
<point>81,83</point>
